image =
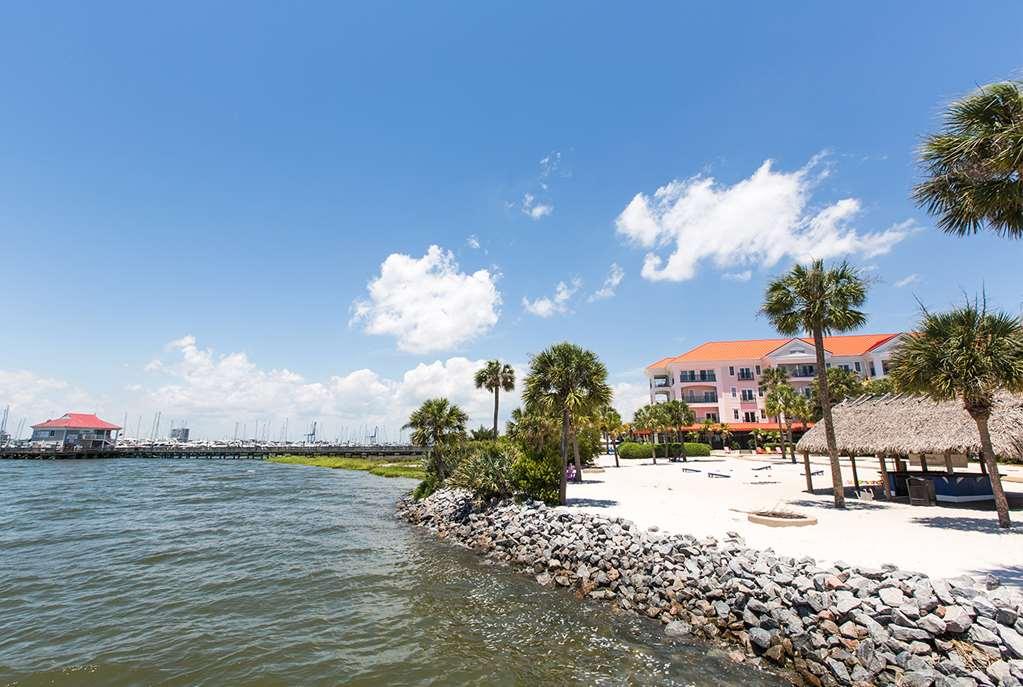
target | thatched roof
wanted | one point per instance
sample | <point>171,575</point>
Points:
<point>903,424</point>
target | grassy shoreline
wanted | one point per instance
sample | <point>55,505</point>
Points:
<point>381,467</point>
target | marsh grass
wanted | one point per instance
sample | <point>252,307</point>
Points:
<point>382,467</point>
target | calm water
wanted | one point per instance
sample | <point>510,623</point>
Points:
<point>126,572</point>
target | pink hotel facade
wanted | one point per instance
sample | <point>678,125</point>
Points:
<point>720,380</point>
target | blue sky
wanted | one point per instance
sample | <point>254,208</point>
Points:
<point>239,173</point>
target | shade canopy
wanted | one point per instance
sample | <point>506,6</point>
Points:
<point>902,424</point>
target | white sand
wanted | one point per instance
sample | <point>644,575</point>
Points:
<point>942,541</point>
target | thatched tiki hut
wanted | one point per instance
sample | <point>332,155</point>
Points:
<point>935,436</point>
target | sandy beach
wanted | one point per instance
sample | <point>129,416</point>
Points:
<point>942,541</point>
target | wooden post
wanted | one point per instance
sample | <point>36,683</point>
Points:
<point>806,466</point>
<point>856,477</point>
<point>923,462</point>
<point>884,475</point>
<point>948,462</point>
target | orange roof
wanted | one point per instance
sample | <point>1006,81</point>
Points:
<point>754,349</point>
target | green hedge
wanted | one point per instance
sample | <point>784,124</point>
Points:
<point>631,450</point>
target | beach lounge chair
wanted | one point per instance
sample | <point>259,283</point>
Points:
<point>763,467</point>
<point>690,470</point>
<point>814,473</point>
<point>717,474</point>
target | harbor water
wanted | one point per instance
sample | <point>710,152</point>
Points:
<point>191,572</point>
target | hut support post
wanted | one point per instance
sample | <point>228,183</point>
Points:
<point>884,475</point>
<point>923,462</point>
<point>948,462</point>
<point>806,467</point>
<point>856,476</point>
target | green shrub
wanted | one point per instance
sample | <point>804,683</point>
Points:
<point>632,450</point>
<point>537,475</point>
<point>425,488</point>
<point>485,469</point>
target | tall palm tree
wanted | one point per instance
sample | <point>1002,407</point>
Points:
<point>974,166</point>
<point>968,354</point>
<point>649,418</point>
<point>609,421</point>
<point>780,402</point>
<point>676,415</point>
<point>495,376</point>
<point>820,301</point>
<point>566,379</point>
<point>434,424</point>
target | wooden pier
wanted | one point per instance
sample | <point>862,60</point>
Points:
<point>209,452</point>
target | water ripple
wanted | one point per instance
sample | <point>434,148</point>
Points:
<point>130,572</point>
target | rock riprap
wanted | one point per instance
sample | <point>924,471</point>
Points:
<point>831,624</point>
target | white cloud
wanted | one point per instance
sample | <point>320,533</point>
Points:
<point>743,276</point>
<point>535,209</point>
<point>34,398</point>
<point>427,304</point>
<point>907,280</point>
<point>548,306</point>
<point>611,282</point>
<point>473,241</point>
<point>758,221</point>
<point>628,397</point>
<point>217,390</point>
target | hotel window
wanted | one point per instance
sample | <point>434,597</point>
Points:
<point>731,371</point>
<point>750,416</point>
<point>735,413</point>
<point>712,416</point>
<point>884,366</point>
<point>873,372</point>
<point>757,369</point>
<point>763,414</point>
<point>857,366</point>
<point>747,394</point>
<point>733,392</point>
<point>760,392</point>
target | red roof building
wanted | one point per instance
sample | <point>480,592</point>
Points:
<point>74,430</point>
<point>76,421</point>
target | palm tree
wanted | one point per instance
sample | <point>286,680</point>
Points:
<point>967,354</point>
<point>676,415</point>
<point>974,166</point>
<point>649,418</point>
<point>495,376</point>
<point>780,402</point>
<point>566,379</point>
<point>434,424</point>
<point>772,378</point>
<point>820,301</point>
<point>609,421</point>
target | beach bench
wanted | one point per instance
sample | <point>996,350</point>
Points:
<point>690,470</point>
<point>717,474</point>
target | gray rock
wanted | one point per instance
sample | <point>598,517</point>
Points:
<point>760,637</point>
<point>933,624</point>
<point>983,606</point>
<point>892,596</point>
<point>1013,640</point>
<point>919,678</point>
<point>677,628</point>
<point>957,619</point>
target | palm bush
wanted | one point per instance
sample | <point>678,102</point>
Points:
<point>485,469</point>
<point>436,425</point>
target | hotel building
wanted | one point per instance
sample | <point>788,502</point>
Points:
<point>720,380</point>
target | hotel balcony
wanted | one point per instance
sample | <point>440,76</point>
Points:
<point>745,377</point>
<point>694,399</point>
<point>697,378</point>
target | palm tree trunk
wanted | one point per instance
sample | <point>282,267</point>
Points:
<point>497,390</point>
<point>838,487</point>
<point>615,447</point>
<point>563,486</point>
<point>784,443</point>
<point>988,456</point>
<point>792,445</point>
<point>578,463</point>
<point>653,446</point>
